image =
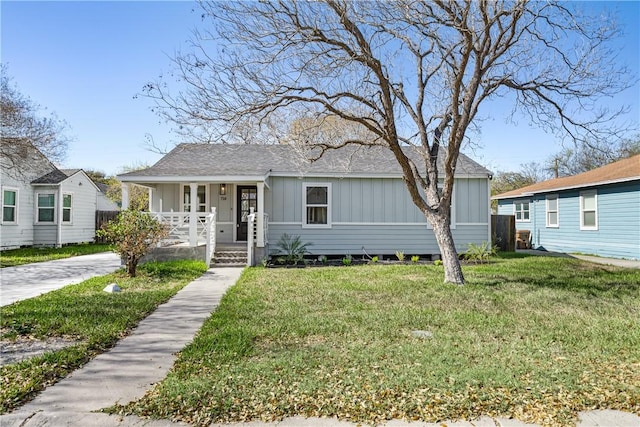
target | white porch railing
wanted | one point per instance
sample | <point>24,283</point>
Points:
<point>194,229</point>
<point>254,237</point>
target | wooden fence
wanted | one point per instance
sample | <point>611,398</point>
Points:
<point>103,217</point>
<point>503,232</point>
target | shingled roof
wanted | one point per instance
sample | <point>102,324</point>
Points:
<point>621,171</point>
<point>209,160</point>
<point>56,176</point>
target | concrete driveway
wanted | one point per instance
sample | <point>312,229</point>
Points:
<point>30,280</point>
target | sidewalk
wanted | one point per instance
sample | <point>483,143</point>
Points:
<point>128,370</point>
<point>626,263</point>
<point>30,280</point>
<point>143,358</point>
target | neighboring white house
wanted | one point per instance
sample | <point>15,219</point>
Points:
<point>45,206</point>
<point>349,201</point>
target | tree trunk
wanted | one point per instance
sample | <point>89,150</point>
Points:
<point>442,230</point>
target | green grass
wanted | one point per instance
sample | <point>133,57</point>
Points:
<point>14,257</point>
<point>532,338</point>
<point>85,313</point>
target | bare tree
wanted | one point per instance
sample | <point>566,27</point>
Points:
<point>410,72</point>
<point>585,156</point>
<point>23,128</point>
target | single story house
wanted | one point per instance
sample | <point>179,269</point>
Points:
<point>596,212</point>
<point>45,206</point>
<point>350,201</point>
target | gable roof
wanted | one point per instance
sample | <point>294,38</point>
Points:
<point>57,176</point>
<point>244,160</point>
<point>620,171</point>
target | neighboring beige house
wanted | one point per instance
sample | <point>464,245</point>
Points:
<point>45,206</point>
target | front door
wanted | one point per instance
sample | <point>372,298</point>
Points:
<point>247,198</point>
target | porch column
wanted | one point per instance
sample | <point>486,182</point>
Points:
<point>260,215</point>
<point>150,195</point>
<point>193,221</point>
<point>125,195</point>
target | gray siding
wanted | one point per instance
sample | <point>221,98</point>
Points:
<point>374,213</point>
<point>377,239</point>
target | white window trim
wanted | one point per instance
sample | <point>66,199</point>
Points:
<point>593,193</point>
<point>70,222</point>
<point>305,185</point>
<point>15,215</point>
<point>547,211</point>
<point>37,208</point>
<point>515,212</point>
<point>206,196</point>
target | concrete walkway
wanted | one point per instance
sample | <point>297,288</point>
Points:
<point>31,280</point>
<point>128,370</point>
<point>626,263</point>
<point>143,358</point>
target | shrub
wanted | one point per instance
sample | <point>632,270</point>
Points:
<point>400,256</point>
<point>415,258</point>
<point>346,261</point>
<point>374,259</point>
<point>292,248</point>
<point>133,233</point>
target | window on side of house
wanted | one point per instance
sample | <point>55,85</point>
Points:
<point>317,205</point>
<point>553,218</point>
<point>46,206</point>
<point>9,206</point>
<point>67,200</point>
<point>521,210</point>
<point>588,210</point>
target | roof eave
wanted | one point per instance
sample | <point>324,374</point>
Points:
<point>567,187</point>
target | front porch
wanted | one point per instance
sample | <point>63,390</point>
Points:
<point>219,223</point>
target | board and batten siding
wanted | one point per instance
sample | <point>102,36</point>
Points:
<point>374,213</point>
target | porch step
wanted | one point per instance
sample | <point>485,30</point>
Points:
<point>229,258</point>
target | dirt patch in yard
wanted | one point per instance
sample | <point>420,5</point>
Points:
<point>14,351</point>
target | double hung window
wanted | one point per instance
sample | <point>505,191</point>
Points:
<point>46,206</point>
<point>552,211</point>
<point>9,206</point>
<point>317,198</point>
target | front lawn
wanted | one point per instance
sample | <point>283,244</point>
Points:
<point>533,338</point>
<point>13,257</point>
<point>86,314</point>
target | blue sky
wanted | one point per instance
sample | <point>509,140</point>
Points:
<point>86,60</point>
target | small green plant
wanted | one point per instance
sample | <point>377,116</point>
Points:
<point>479,253</point>
<point>415,258</point>
<point>374,259</point>
<point>293,248</point>
<point>264,261</point>
<point>323,259</point>
<point>347,260</point>
<point>437,262</point>
<point>400,256</point>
